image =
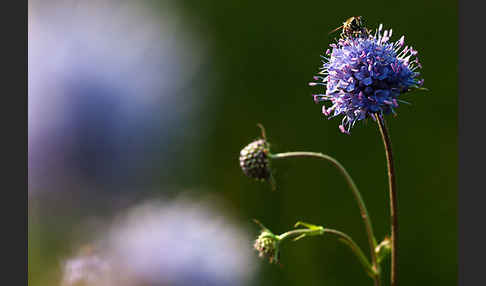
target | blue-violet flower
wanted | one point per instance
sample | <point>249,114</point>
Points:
<point>365,76</point>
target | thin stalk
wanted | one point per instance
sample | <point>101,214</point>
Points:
<point>393,197</point>
<point>357,195</point>
<point>299,232</point>
<point>346,239</point>
<point>359,253</point>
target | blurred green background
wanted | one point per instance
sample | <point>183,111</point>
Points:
<point>261,55</point>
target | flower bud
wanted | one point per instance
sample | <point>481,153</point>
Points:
<point>254,160</point>
<point>383,249</point>
<point>267,245</point>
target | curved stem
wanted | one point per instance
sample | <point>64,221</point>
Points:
<point>346,239</point>
<point>357,195</point>
<point>393,197</point>
<point>298,232</point>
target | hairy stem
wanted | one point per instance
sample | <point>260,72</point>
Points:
<point>393,197</point>
<point>357,195</point>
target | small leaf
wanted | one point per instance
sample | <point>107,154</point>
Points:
<point>299,237</point>
<point>307,225</point>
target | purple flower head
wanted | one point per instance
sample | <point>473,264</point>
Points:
<point>366,76</point>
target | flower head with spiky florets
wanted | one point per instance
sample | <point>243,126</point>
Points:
<point>365,76</point>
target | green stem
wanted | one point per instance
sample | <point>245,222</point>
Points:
<point>357,195</point>
<point>298,232</point>
<point>372,271</point>
<point>346,239</point>
<point>393,197</point>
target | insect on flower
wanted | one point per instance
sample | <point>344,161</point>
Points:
<point>352,27</point>
<point>366,76</point>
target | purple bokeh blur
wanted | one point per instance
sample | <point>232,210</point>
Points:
<point>108,84</point>
<point>114,91</point>
<point>166,242</point>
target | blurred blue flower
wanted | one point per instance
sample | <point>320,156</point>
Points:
<point>179,242</point>
<point>108,84</point>
<point>365,76</point>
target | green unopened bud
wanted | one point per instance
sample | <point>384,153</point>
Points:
<point>383,249</point>
<point>267,244</point>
